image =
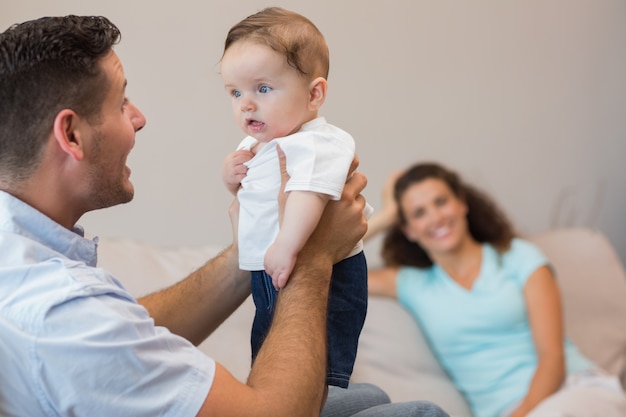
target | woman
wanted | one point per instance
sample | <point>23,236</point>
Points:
<point>487,301</point>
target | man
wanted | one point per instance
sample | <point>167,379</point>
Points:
<point>72,340</point>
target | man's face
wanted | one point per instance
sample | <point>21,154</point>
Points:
<point>112,140</point>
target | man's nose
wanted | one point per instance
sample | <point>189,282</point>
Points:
<point>137,117</point>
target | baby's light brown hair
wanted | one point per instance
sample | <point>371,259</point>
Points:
<point>288,33</point>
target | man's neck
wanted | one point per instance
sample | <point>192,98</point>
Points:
<point>45,198</point>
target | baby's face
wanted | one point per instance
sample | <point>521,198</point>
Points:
<point>269,98</point>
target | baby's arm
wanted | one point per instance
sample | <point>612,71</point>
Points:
<point>234,170</point>
<point>302,213</point>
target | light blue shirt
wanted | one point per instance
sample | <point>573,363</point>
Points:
<point>482,336</point>
<point>73,341</point>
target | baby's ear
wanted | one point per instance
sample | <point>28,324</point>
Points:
<point>317,93</point>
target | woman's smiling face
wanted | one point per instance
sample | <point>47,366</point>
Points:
<point>435,216</point>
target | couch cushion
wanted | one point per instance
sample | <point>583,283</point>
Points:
<point>593,287</point>
<point>392,351</point>
<point>143,268</point>
<point>412,374</point>
<point>394,355</point>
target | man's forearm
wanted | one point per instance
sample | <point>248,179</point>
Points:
<point>293,356</point>
<point>197,305</point>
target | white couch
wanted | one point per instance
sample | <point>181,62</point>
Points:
<point>392,352</point>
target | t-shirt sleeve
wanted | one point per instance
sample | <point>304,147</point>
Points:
<point>523,259</point>
<point>317,162</point>
<point>407,282</point>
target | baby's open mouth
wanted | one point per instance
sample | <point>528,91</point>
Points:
<point>255,124</point>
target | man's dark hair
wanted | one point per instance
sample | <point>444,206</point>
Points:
<point>47,65</point>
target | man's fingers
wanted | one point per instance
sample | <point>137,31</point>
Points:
<point>282,162</point>
<point>353,165</point>
<point>284,178</point>
<point>356,184</point>
<point>233,213</point>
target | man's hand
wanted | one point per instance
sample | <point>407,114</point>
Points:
<point>284,179</point>
<point>233,214</point>
<point>388,215</point>
<point>343,224</point>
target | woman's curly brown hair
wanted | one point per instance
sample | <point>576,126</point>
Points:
<point>487,223</point>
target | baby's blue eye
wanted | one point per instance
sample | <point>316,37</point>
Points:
<point>236,94</point>
<point>264,89</point>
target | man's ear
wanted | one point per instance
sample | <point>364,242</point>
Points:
<point>317,93</point>
<point>67,133</point>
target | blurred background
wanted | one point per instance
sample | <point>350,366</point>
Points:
<point>525,99</point>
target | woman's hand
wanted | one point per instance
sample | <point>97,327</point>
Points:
<point>388,215</point>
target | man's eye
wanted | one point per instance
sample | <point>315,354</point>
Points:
<point>264,89</point>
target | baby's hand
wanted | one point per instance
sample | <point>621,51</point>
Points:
<point>234,170</point>
<point>278,264</point>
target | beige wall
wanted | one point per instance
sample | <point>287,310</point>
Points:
<point>525,98</point>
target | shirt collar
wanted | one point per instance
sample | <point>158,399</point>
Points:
<point>312,124</point>
<point>22,219</point>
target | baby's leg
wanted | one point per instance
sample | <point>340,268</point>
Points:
<point>264,295</point>
<point>347,307</point>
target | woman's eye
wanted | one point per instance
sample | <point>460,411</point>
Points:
<point>264,89</point>
<point>418,213</point>
<point>441,201</point>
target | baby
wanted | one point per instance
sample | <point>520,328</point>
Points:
<point>274,67</point>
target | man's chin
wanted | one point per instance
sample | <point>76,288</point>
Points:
<point>128,196</point>
<point>121,196</point>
